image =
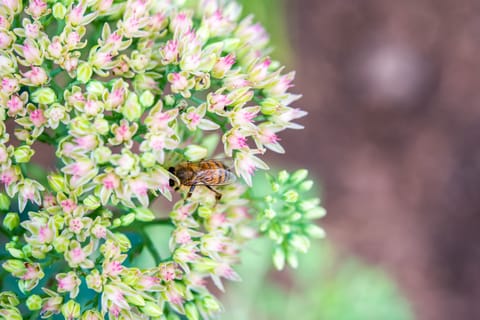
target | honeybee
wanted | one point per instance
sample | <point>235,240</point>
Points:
<point>206,173</point>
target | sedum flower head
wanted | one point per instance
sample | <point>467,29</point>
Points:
<point>122,91</point>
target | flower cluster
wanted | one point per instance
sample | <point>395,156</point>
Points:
<point>123,90</point>
<point>287,218</point>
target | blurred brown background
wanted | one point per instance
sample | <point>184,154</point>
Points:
<point>393,92</point>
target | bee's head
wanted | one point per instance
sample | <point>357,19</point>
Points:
<point>171,182</point>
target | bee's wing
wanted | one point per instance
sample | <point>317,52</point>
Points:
<point>230,177</point>
<point>215,177</point>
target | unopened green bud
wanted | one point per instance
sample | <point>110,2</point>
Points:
<point>191,311</point>
<point>204,212</point>
<point>81,125</point>
<point>275,235</point>
<point>71,309</point>
<point>298,176</point>
<point>23,154</point>
<point>92,315</point>
<point>10,314</point>
<point>282,177</point>
<point>91,202</point>
<point>56,182</point>
<point>16,253</point>
<point>148,160</point>
<point>269,106</point>
<point>305,186</point>
<point>275,187</point>
<point>211,304</point>
<point>285,228</point>
<point>4,202</point>
<point>269,213</point>
<point>316,213</point>
<point>132,110</point>
<point>96,88</point>
<point>136,299</point>
<point>292,260</point>
<point>44,96</point>
<point>101,126</point>
<point>127,219</point>
<point>34,302</point>
<point>295,216</point>
<point>308,204</point>
<point>8,299</point>
<point>84,72</point>
<point>27,250</point>
<point>60,244</point>
<point>290,196</point>
<point>169,100</point>
<point>14,266</point>
<point>195,152</point>
<point>300,243</point>
<point>147,98</point>
<point>116,222</point>
<point>173,316</point>
<point>123,242</point>
<point>315,231</point>
<point>59,11</point>
<point>230,44</point>
<point>279,258</point>
<point>152,309</point>
<point>102,155</point>
<point>144,214</point>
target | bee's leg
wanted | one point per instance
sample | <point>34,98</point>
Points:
<point>189,194</point>
<point>218,195</point>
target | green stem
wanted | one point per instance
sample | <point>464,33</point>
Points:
<point>151,247</point>
<point>197,100</point>
<point>54,72</point>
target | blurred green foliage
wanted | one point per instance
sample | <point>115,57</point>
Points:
<point>324,287</point>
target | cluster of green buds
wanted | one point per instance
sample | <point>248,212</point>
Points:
<point>287,217</point>
<point>121,91</point>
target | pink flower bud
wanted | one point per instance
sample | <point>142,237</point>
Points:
<point>32,30</point>
<point>45,234</point>
<point>218,102</point>
<point>111,181</point>
<point>5,40</point>
<point>179,82</point>
<point>76,14</point>
<point>113,268</point>
<point>9,85</point>
<point>104,5</point>
<point>31,53</point>
<point>87,143</point>
<point>67,283</point>
<point>71,64</point>
<point>223,65</point>
<point>37,8</point>
<point>37,117</point>
<point>55,48</point>
<point>36,76</point>
<point>13,5</point>
<point>170,52</point>
<point>8,176</point>
<point>181,23</point>
<point>73,39</point>
<point>77,255</point>
<point>15,105</point>
<point>68,205</point>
